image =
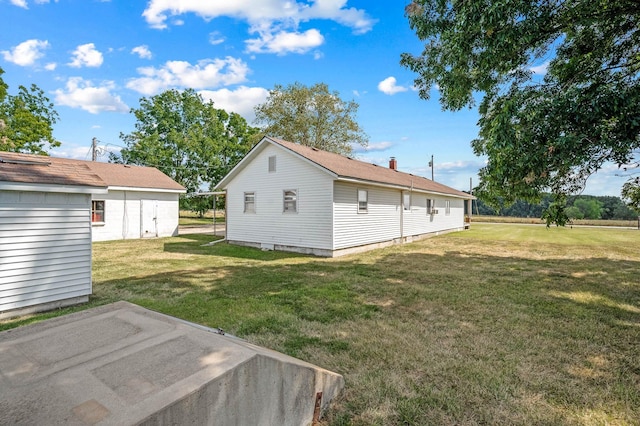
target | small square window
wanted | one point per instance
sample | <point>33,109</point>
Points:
<point>363,201</point>
<point>249,202</point>
<point>272,163</point>
<point>290,201</point>
<point>97,211</point>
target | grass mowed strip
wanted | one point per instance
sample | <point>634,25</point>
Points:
<point>501,324</point>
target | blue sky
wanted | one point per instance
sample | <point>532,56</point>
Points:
<point>96,58</point>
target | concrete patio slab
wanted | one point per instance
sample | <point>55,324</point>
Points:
<point>121,364</point>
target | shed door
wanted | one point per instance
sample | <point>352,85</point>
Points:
<point>148,218</point>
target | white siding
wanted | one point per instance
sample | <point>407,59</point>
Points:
<point>386,218</point>
<point>310,227</point>
<point>380,223</point>
<point>416,221</point>
<point>122,215</point>
<point>45,247</point>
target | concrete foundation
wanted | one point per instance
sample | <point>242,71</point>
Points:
<point>121,364</point>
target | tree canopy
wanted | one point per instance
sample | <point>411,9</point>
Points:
<point>186,138</point>
<point>26,120</point>
<point>311,116</point>
<point>539,133</point>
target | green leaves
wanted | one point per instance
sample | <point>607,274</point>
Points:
<point>186,138</point>
<point>26,120</point>
<point>311,116</point>
<point>539,134</point>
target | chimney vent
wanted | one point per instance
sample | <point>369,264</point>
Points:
<point>393,164</point>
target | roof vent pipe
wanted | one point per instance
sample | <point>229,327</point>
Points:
<point>393,164</point>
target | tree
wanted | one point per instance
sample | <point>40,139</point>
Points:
<point>311,116</point>
<point>590,209</point>
<point>186,138</point>
<point>631,194</point>
<point>546,134</point>
<point>26,120</point>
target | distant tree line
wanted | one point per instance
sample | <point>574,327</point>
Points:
<point>578,207</point>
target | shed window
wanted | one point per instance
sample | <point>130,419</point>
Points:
<point>447,207</point>
<point>290,201</point>
<point>249,202</point>
<point>363,201</point>
<point>97,211</point>
<point>406,200</point>
<point>272,163</point>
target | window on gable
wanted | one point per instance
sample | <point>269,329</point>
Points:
<point>290,201</point>
<point>249,202</point>
<point>406,200</point>
<point>97,211</point>
<point>447,207</point>
<point>272,163</point>
<point>363,201</point>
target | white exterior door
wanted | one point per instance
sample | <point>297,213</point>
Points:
<point>148,218</point>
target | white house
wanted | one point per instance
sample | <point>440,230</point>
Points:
<point>289,197</point>
<point>45,232</point>
<point>140,202</point>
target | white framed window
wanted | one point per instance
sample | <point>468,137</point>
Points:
<point>363,201</point>
<point>97,211</point>
<point>447,207</point>
<point>406,200</point>
<point>249,202</point>
<point>431,206</point>
<point>290,201</point>
<point>272,163</point>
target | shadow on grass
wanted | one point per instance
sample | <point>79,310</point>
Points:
<point>456,338</point>
<point>224,249</point>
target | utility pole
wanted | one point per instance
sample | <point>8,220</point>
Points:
<point>94,149</point>
<point>431,165</point>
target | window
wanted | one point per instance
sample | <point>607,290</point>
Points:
<point>272,163</point>
<point>249,202</point>
<point>290,204</point>
<point>363,201</point>
<point>97,211</point>
<point>431,206</point>
<point>447,207</point>
<point>406,200</point>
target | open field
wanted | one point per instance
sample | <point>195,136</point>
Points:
<point>501,324</point>
<point>537,220</point>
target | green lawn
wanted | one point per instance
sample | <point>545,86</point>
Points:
<point>501,324</point>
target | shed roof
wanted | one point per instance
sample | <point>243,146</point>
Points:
<point>348,168</point>
<point>68,172</point>
<point>37,169</point>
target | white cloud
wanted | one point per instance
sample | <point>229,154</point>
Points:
<point>540,69</point>
<point>260,11</point>
<point>142,51</point>
<point>80,93</point>
<point>51,66</point>
<point>241,100</point>
<point>86,55</point>
<point>209,73</point>
<point>284,42</point>
<point>20,3</point>
<point>216,38</point>
<point>372,147</point>
<point>26,53</point>
<point>388,86</point>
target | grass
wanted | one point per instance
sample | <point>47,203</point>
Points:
<point>501,324</point>
<point>190,218</point>
<point>537,220</point>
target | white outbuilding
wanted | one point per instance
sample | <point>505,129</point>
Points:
<point>45,232</point>
<point>285,196</point>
